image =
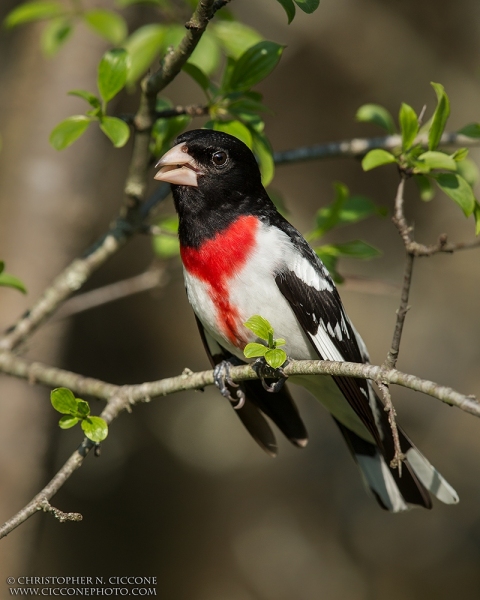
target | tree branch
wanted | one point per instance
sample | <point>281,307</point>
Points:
<point>122,397</point>
<point>149,280</point>
<point>358,147</point>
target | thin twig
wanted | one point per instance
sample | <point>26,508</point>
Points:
<point>360,146</point>
<point>398,457</point>
<point>59,514</point>
<point>149,280</point>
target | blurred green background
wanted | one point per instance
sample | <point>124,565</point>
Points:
<point>180,490</point>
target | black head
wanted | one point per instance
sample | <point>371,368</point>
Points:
<point>214,178</point>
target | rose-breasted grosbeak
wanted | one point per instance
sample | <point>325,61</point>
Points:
<point>242,258</point>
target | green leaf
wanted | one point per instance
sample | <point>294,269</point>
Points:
<point>355,249</point>
<point>344,210</point>
<point>275,357</point>
<point>235,128</point>
<point>95,428</point>
<point>377,158</point>
<point>111,26</point>
<point>460,154</point>
<point>472,130</point>
<point>116,130</point>
<point>435,160</point>
<point>330,262</point>
<point>197,75</point>
<point>206,55</point>
<point>55,34</point>
<point>280,342</point>
<point>469,171</point>
<point>476,213</point>
<point>254,65</point>
<point>260,327</point>
<point>263,151</point>
<point>87,96</point>
<point>7,280</point>
<point>165,246</point>
<point>440,116</point>
<point>33,11</point>
<point>254,350</point>
<point>143,46</point>
<point>457,189</point>
<point>308,6</point>
<point>426,189</point>
<point>83,408</point>
<point>329,216</point>
<point>68,421</point>
<point>289,8</point>
<point>374,113</point>
<point>66,132</point>
<point>236,37</point>
<point>408,125</point>
<point>112,73</point>
<point>63,401</point>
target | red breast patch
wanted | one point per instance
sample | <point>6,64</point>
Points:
<point>216,261</point>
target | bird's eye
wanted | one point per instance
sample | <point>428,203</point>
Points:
<point>219,158</point>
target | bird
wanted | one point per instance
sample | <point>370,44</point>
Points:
<point>241,258</point>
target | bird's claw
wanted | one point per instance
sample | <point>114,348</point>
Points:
<point>263,370</point>
<point>222,379</point>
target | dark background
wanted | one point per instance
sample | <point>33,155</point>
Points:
<point>180,491</point>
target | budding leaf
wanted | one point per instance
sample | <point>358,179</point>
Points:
<point>440,116</point>
<point>374,113</point>
<point>408,125</point>
<point>260,327</point>
<point>55,34</point>
<point>377,158</point>
<point>63,401</point>
<point>254,65</point>
<point>87,96</point>
<point>33,11</point>
<point>426,189</point>
<point>116,130</point>
<point>108,24</point>
<point>143,46</point>
<point>458,190</point>
<point>112,73</point>
<point>254,350</point>
<point>69,130</point>
<point>436,160</point>
<point>95,428</point>
<point>68,421</point>
<point>275,357</point>
<point>7,280</point>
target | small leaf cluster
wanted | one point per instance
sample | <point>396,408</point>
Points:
<point>60,21</point>
<point>343,210</point>
<point>7,280</point>
<point>75,410</point>
<point>273,355</point>
<point>233,106</point>
<point>111,78</point>
<point>453,173</point>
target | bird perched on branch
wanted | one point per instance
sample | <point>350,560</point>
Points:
<point>242,258</point>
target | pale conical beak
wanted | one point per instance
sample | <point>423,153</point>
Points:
<point>178,167</point>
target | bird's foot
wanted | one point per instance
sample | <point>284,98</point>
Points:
<point>264,371</point>
<point>222,379</point>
